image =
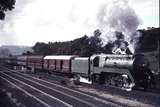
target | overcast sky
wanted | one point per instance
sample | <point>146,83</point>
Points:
<point>60,20</point>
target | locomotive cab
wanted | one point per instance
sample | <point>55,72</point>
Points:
<point>141,72</point>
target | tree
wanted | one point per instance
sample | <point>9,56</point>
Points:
<point>95,42</point>
<point>4,52</point>
<point>108,48</point>
<point>5,5</point>
<point>41,48</point>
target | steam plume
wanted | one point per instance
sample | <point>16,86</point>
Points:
<point>117,15</point>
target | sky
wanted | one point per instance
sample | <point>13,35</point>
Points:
<point>61,20</point>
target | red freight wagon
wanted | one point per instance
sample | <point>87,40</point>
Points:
<point>35,62</point>
<point>22,60</point>
<point>66,66</point>
<point>49,64</point>
<point>52,65</point>
<point>58,63</point>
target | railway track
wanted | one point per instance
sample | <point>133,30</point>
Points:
<point>42,97</point>
<point>52,95</point>
<point>134,98</point>
<point>90,93</point>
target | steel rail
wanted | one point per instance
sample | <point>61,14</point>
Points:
<point>66,104</point>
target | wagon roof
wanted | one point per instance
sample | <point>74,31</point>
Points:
<point>60,57</point>
<point>81,58</point>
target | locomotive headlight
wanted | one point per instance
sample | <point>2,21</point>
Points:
<point>144,65</point>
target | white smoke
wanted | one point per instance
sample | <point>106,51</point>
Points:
<point>117,15</point>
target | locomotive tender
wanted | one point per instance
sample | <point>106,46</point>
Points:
<point>124,71</point>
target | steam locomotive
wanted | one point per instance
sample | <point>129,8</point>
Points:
<point>124,71</point>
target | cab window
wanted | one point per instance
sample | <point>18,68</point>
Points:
<point>96,62</point>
